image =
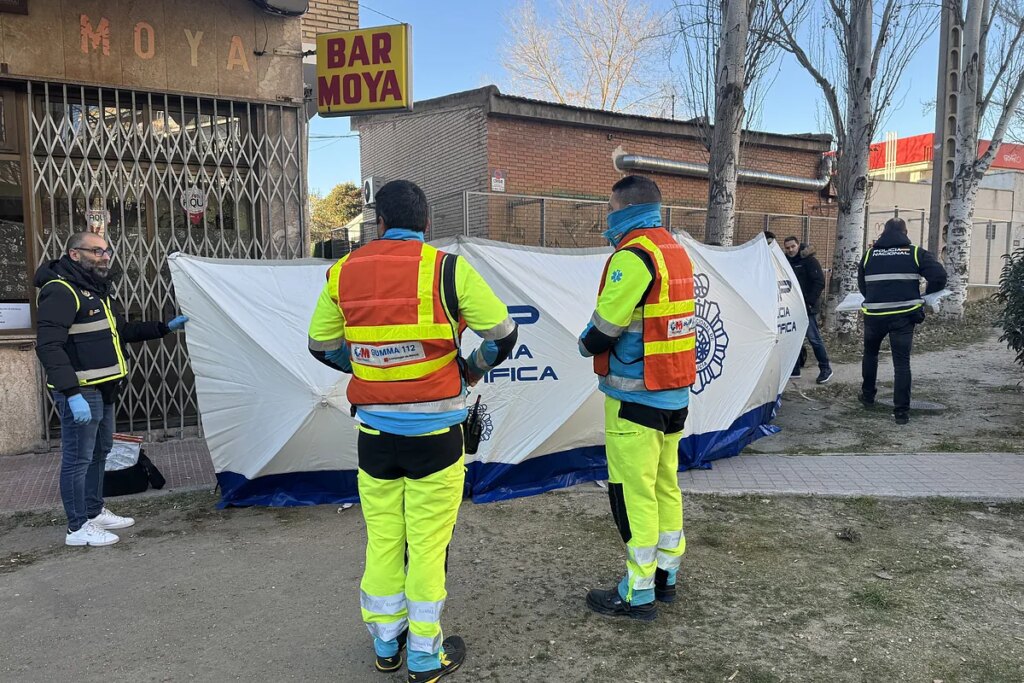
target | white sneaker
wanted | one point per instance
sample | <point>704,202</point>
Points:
<point>90,534</point>
<point>108,520</point>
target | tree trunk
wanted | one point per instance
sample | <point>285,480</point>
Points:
<point>723,166</point>
<point>958,245</point>
<point>852,178</point>
<point>966,174</point>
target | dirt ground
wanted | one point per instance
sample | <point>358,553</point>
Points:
<point>927,590</point>
<point>976,379</point>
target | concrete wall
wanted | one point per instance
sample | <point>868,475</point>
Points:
<point>190,46</point>
<point>20,419</point>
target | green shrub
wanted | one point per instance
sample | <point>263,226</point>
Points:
<point>1011,296</point>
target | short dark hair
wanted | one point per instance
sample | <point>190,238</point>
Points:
<point>791,238</point>
<point>895,225</point>
<point>77,239</point>
<point>402,204</point>
<point>769,235</point>
<point>637,189</point>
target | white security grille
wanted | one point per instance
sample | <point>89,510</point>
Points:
<point>132,154</point>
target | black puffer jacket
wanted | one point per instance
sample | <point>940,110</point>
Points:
<point>810,276</point>
<point>68,356</point>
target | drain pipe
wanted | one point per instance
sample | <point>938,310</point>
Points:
<point>639,162</point>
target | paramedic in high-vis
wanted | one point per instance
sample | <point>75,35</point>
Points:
<point>391,314</point>
<point>641,336</point>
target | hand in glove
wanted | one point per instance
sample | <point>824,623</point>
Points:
<point>80,409</point>
<point>177,323</point>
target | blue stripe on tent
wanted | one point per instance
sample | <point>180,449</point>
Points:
<point>489,482</point>
<point>495,481</point>
<point>289,489</point>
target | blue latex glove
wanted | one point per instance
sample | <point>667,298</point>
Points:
<point>177,323</point>
<point>340,358</point>
<point>80,409</point>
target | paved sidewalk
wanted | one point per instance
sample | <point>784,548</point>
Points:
<point>29,482</point>
<point>976,476</point>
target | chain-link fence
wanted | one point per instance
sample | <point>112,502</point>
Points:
<point>568,222</point>
<point>990,239</point>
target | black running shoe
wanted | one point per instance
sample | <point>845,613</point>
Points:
<point>610,604</point>
<point>453,654</point>
<point>394,662</point>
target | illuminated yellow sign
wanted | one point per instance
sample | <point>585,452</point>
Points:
<point>364,70</point>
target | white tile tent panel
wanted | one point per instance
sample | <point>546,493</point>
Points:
<point>133,154</point>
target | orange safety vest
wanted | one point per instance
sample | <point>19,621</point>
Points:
<point>665,316</point>
<point>404,343</point>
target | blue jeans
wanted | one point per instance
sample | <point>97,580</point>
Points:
<point>84,451</point>
<point>817,344</point>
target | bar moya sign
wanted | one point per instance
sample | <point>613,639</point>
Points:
<point>364,71</point>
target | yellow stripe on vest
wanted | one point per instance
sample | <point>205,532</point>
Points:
<point>687,343</point>
<point>402,372</point>
<point>670,308</point>
<point>398,333</point>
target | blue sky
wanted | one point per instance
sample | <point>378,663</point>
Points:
<point>456,45</point>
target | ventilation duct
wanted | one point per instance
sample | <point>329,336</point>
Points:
<point>639,162</point>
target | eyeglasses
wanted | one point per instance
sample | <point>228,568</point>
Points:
<point>98,252</point>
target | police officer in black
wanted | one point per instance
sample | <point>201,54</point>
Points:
<point>889,277</point>
<point>80,338</point>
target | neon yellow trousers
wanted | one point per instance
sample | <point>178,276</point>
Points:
<point>414,515</point>
<point>647,506</point>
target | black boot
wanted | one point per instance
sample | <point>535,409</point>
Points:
<point>394,662</point>
<point>663,592</point>
<point>610,604</point>
<point>453,654</point>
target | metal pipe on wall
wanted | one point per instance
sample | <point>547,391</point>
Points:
<point>639,162</point>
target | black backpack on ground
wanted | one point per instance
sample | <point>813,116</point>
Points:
<point>134,479</point>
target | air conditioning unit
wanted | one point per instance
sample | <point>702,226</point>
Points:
<point>283,8</point>
<point>370,187</point>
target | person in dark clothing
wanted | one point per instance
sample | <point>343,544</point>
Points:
<point>889,277</point>
<point>80,335</point>
<point>812,283</point>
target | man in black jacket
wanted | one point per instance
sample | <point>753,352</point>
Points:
<point>889,277</point>
<point>80,335</point>
<point>812,283</point>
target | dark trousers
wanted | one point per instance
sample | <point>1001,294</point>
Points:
<point>900,330</point>
<point>84,451</point>
<point>817,344</point>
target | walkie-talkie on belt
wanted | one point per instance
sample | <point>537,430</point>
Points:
<point>473,428</point>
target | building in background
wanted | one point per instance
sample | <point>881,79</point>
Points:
<point>531,172</point>
<point>901,175</point>
<point>168,125</point>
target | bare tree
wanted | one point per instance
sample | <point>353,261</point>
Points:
<point>725,49</point>
<point>602,54</point>
<point>983,23</point>
<point>857,56</point>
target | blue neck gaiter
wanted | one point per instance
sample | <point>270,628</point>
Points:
<point>635,216</point>
<point>402,234</point>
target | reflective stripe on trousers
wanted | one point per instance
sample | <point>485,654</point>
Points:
<point>419,514</point>
<point>643,464</point>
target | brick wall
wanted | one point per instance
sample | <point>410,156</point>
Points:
<point>545,158</point>
<point>442,151</point>
<point>325,16</point>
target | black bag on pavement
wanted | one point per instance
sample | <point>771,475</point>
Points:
<point>134,479</point>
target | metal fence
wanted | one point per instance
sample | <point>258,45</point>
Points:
<point>132,154</point>
<point>990,240</point>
